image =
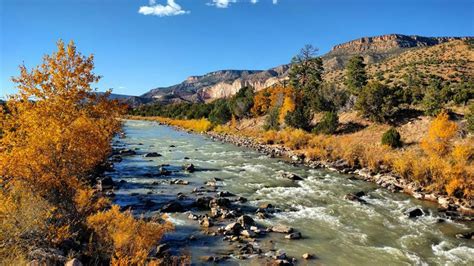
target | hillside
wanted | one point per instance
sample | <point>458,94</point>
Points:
<point>452,61</point>
<point>392,54</point>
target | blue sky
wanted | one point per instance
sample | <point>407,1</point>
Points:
<point>141,44</point>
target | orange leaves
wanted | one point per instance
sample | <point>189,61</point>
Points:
<point>56,131</point>
<point>268,98</point>
<point>287,106</point>
<point>440,134</point>
<point>127,239</point>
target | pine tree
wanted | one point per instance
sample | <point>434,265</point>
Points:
<point>356,77</point>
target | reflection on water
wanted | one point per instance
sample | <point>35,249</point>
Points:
<point>337,231</point>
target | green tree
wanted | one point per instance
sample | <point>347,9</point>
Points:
<point>306,76</point>
<point>241,103</point>
<point>328,124</point>
<point>299,118</point>
<point>221,113</point>
<point>377,102</point>
<point>356,76</point>
<point>432,102</point>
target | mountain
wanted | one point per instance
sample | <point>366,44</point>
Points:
<point>225,83</point>
<point>218,84</point>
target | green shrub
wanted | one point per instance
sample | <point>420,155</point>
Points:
<point>328,124</point>
<point>470,118</point>
<point>392,138</point>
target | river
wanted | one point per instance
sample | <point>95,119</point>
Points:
<point>335,230</point>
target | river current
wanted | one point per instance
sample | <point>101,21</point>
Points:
<point>335,230</point>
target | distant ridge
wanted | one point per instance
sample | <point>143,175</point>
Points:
<point>225,83</point>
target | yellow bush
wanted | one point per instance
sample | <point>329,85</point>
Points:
<point>126,239</point>
<point>439,137</point>
<point>295,138</point>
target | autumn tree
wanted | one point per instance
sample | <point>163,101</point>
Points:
<point>356,76</point>
<point>56,132</point>
<point>440,135</point>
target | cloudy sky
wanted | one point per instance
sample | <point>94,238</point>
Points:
<point>143,44</point>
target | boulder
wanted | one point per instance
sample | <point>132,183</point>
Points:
<point>151,155</point>
<point>282,229</point>
<point>164,171</point>
<point>105,183</point>
<point>295,235</point>
<point>354,197</point>
<point>414,212</point>
<point>193,216</point>
<point>265,206</point>
<point>127,152</point>
<point>248,233</point>
<point>246,221</point>
<point>469,235</point>
<point>206,222</point>
<point>172,207</point>
<point>179,182</point>
<point>233,228</point>
<point>203,203</point>
<point>219,202</point>
<point>189,167</point>
<point>211,184</point>
<point>225,194</point>
<point>241,199</point>
<point>282,263</point>
<point>293,177</point>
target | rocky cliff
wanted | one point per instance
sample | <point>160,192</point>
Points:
<point>225,83</point>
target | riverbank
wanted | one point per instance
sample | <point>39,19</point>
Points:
<point>453,207</point>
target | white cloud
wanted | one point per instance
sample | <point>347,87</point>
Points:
<point>170,9</point>
<point>222,3</point>
<point>227,3</point>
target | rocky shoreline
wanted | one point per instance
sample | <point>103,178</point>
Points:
<point>453,208</point>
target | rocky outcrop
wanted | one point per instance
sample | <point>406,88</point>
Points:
<point>225,83</point>
<point>386,43</point>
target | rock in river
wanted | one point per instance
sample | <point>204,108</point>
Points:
<point>189,167</point>
<point>281,229</point>
<point>414,212</point>
<point>295,235</point>
<point>152,154</point>
<point>172,207</point>
<point>246,221</point>
<point>105,183</point>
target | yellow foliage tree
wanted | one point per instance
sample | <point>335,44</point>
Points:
<point>440,134</point>
<point>55,132</point>
<point>287,106</point>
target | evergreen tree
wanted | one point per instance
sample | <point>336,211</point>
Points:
<point>299,118</point>
<point>356,77</point>
<point>220,114</point>
<point>377,102</point>
<point>306,76</point>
